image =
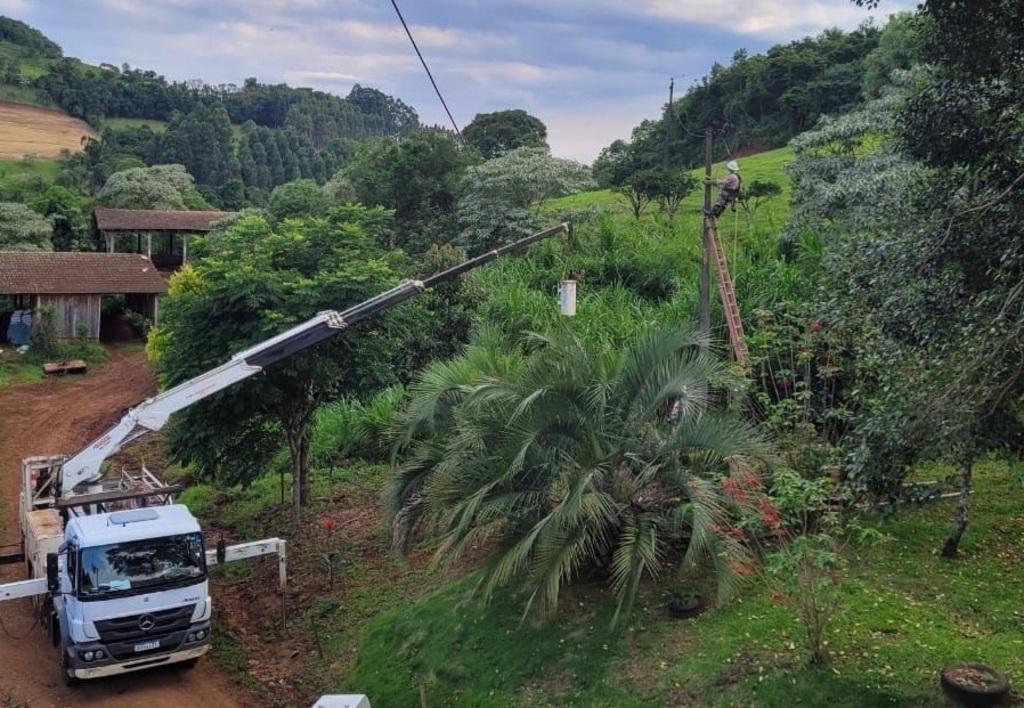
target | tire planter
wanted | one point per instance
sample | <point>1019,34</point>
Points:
<point>688,607</point>
<point>971,684</point>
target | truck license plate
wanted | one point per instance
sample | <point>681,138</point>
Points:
<point>146,646</point>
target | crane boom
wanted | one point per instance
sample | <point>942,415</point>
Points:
<point>152,414</point>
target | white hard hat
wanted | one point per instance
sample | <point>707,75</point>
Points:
<point>732,166</point>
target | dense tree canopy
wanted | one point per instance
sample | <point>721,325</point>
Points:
<point>168,187</point>
<point>22,229</point>
<point>917,196</point>
<point>758,102</point>
<point>494,134</point>
<point>64,208</point>
<point>28,38</point>
<point>300,198</point>
<point>419,178</point>
<point>501,197</point>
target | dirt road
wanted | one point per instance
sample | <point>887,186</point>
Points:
<point>59,416</point>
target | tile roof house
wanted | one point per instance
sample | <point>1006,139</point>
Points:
<point>76,283</point>
<point>165,225</point>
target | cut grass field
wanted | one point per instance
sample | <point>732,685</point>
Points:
<point>40,132</point>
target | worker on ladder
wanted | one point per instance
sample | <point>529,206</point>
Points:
<point>730,185</point>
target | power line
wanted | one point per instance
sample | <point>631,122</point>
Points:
<point>426,68</point>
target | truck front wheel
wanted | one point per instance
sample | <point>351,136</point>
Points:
<point>66,671</point>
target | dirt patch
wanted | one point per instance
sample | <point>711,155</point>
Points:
<point>43,132</point>
<point>59,416</point>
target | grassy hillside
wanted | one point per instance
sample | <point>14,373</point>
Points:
<point>751,240</point>
<point>31,67</point>
<point>44,169</point>
<point>766,166</point>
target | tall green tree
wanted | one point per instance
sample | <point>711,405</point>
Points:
<point>419,178</point>
<point>389,116</point>
<point>568,461</point>
<point>64,207</point>
<point>297,199</point>
<point>494,134</point>
<point>202,141</point>
<point>249,284</point>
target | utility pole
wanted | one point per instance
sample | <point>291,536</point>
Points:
<point>669,120</point>
<point>705,260</point>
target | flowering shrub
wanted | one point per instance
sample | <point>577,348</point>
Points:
<point>794,533</point>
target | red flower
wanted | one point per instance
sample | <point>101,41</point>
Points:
<point>742,566</point>
<point>816,326</point>
<point>770,516</point>
<point>329,525</point>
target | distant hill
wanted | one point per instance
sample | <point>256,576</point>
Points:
<point>32,41</point>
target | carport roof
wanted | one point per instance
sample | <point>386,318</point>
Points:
<point>134,220</point>
<point>48,273</point>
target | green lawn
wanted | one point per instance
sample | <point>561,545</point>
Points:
<point>906,614</point>
<point>15,372</point>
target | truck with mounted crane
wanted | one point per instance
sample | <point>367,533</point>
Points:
<point>122,569</point>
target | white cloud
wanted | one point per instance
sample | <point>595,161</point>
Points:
<point>14,7</point>
<point>125,7</point>
<point>606,121</point>
<point>774,19</point>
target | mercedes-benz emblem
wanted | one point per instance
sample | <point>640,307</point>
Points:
<point>147,622</point>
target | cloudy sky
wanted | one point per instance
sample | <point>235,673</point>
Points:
<point>591,70</point>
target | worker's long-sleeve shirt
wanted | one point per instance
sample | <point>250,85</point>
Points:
<point>730,182</point>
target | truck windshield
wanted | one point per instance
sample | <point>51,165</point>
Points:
<point>135,567</point>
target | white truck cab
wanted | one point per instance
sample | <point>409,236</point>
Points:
<point>131,591</point>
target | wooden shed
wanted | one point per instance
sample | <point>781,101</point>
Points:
<point>75,284</point>
<point>171,229</point>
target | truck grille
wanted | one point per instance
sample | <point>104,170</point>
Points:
<point>122,634</point>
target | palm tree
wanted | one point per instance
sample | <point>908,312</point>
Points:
<point>562,458</point>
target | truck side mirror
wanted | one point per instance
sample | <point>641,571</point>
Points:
<point>52,581</point>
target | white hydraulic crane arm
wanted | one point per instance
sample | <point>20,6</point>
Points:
<point>152,414</point>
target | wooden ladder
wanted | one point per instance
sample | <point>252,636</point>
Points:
<point>728,293</point>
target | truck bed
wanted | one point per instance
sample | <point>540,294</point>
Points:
<point>44,532</point>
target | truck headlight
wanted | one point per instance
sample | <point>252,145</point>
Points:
<point>100,654</point>
<point>88,655</point>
